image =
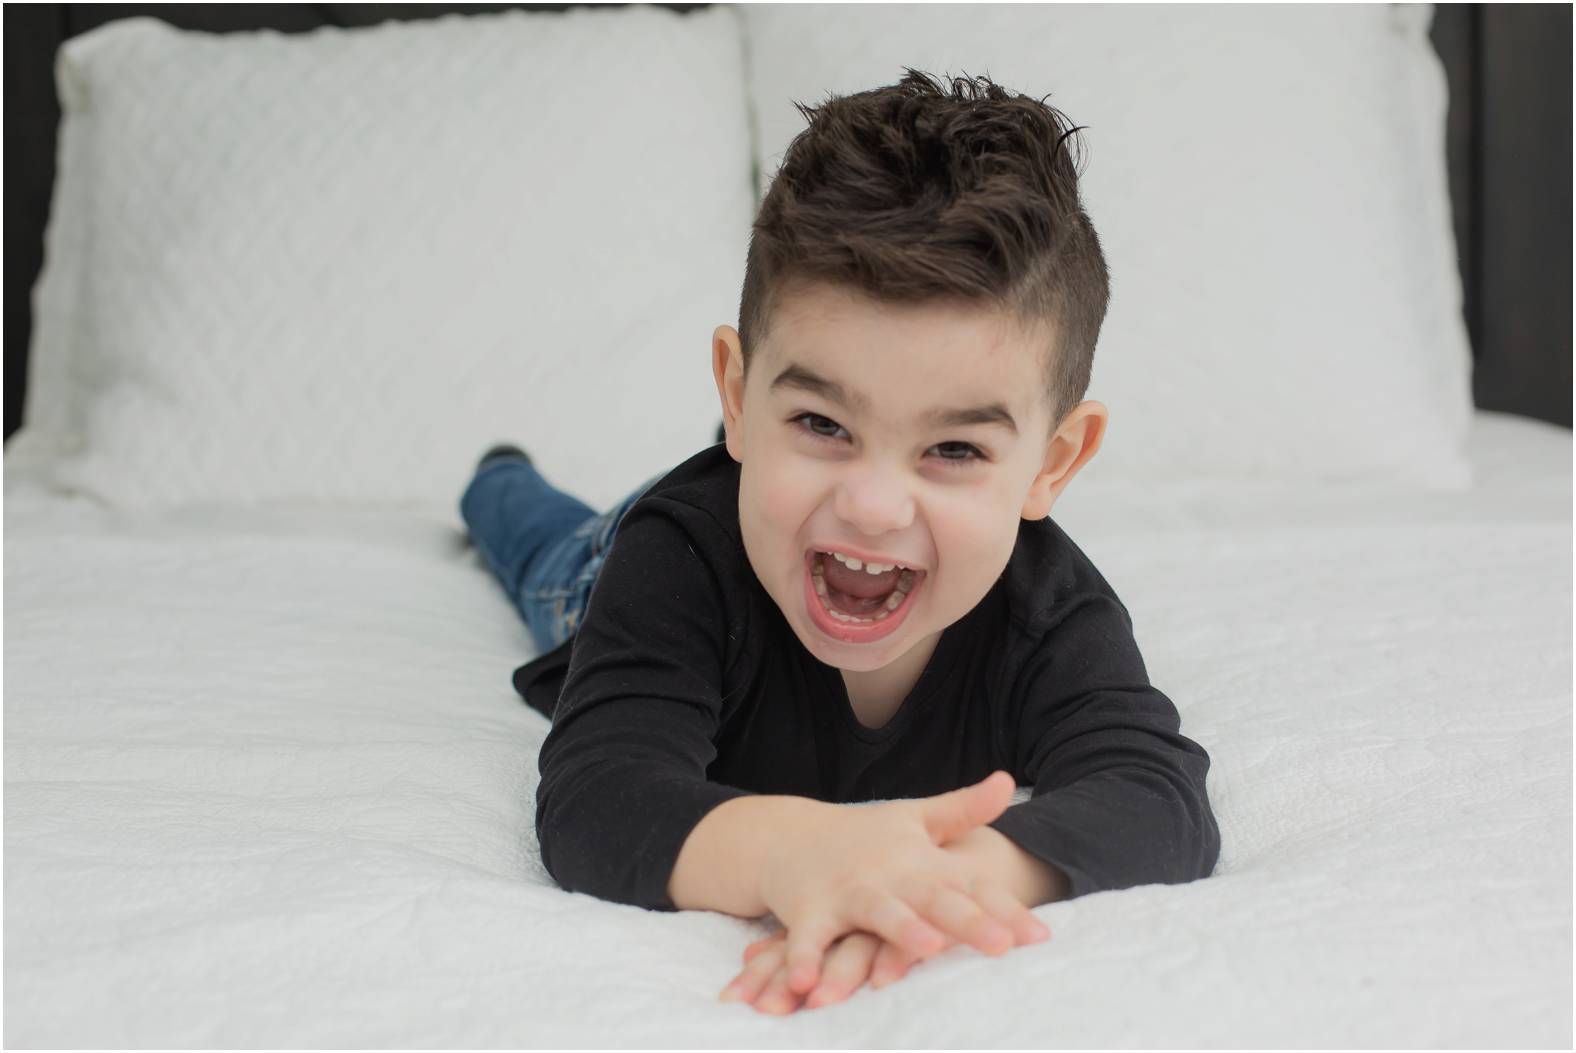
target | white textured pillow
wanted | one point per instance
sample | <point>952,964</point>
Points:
<point>337,265</point>
<point>1269,185</point>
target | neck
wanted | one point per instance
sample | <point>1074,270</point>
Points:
<point>877,694</point>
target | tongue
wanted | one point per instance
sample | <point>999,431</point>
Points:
<point>857,583</point>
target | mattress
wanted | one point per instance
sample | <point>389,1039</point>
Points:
<point>267,783</point>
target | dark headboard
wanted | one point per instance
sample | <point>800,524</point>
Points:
<point>1509,152</point>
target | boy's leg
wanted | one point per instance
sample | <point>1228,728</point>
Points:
<point>518,522</point>
<point>589,545</point>
<point>543,545</point>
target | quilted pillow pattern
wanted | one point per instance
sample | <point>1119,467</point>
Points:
<point>334,266</point>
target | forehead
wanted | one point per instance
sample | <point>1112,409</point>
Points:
<point>947,363</point>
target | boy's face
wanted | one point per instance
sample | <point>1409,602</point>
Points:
<point>844,442</point>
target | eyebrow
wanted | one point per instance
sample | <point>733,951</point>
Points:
<point>797,376</point>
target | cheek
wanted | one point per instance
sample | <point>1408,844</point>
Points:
<point>782,498</point>
<point>777,506</point>
<point>976,540</point>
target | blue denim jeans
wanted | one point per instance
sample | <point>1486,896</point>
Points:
<point>544,546</point>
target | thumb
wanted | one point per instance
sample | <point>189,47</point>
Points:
<point>948,816</point>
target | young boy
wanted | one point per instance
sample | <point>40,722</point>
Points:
<point>857,595</point>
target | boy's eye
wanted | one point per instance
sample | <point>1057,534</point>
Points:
<point>962,451</point>
<point>826,429</point>
<point>812,420</point>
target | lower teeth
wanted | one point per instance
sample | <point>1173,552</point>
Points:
<point>892,603</point>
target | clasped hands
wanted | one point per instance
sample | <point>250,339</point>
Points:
<point>872,890</point>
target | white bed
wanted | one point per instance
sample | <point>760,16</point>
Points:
<point>267,782</point>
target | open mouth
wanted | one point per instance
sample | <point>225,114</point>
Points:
<point>857,605</point>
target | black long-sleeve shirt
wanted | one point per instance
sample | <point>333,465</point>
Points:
<point>685,687</point>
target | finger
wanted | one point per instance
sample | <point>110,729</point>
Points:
<point>846,969</point>
<point>1002,905</point>
<point>888,916</point>
<point>760,945</point>
<point>807,944</point>
<point>892,963</point>
<point>963,919</point>
<point>748,985</point>
<point>778,998</point>
<point>948,816</point>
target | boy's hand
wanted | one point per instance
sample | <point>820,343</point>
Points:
<point>851,961</point>
<point>883,869</point>
<point>858,956</point>
<point>764,980</point>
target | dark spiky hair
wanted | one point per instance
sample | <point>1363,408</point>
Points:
<point>913,193</point>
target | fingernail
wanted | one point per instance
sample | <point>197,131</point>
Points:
<point>730,993</point>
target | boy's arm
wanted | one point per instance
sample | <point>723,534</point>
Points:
<point>624,767</point>
<point>1033,882</point>
<point>1119,796</point>
<point>719,867</point>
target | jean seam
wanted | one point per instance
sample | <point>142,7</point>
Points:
<point>549,593</point>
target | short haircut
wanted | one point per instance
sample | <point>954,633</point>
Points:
<point>912,194</point>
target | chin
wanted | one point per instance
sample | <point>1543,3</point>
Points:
<point>848,659</point>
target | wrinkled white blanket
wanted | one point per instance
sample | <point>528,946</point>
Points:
<point>267,784</point>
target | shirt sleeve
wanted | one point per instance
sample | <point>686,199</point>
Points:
<point>623,769</point>
<point>1118,793</point>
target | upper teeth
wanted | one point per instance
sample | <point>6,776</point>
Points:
<point>869,568</point>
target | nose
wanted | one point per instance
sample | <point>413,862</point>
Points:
<point>874,502</point>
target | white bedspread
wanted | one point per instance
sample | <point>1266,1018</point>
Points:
<point>267,784</point>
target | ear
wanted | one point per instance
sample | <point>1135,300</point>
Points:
<point>727,367</point>
<point>1075,442</point>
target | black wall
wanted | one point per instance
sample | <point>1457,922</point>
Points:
<point>1509,151</point>
<point>1509,67</point>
